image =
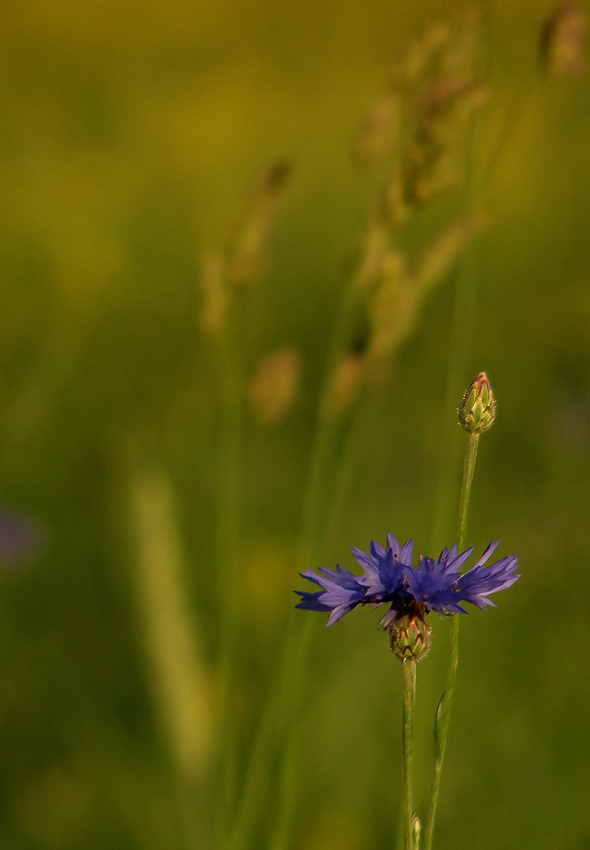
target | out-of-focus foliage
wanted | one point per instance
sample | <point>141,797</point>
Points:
<point>131,138</point>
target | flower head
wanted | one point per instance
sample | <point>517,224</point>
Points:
<point>389,577</point>
<point>477,410</point>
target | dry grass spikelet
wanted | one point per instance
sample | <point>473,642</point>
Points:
<point>214,295</point>
<point>562,42</point>
<point>274,387</point>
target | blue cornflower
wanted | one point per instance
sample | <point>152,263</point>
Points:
<point>388,576</point>
<point>20,539</point>
<point>341,592</point>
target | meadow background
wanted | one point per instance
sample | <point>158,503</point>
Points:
<point>132,135</point>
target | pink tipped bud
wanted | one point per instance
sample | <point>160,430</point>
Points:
<point>477,411</point>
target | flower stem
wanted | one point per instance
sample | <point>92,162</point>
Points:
<point>409,697</point>
<point>468,470</point>
<point>445,704</point>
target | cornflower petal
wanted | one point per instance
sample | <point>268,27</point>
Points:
<point>376,550</point>
<point>311,601</point>
<point>405,555</point>
<point>432,583</point>
<point>363,559</point>
<point>479,582</point>
<point>388,619</point>
<point>388,577</point>
<point>340,594</point>
<point>487,554</point>
<point>382,572</point>
<point>453,561</point>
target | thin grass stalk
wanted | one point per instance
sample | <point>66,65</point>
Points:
<point>445,705</point>
<point>278,717</point>
<point>229,487</point>
<point>281,709</point>
<point>327,428</point>
<point>257,777</point>
<point>353,450</point>
<point>298,637</point>
<point>464,304</point>
<point>463,314</point>
<point>461,336</point>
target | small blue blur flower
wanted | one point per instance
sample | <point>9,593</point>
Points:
<point>388,576</point>
<point>21,539</point>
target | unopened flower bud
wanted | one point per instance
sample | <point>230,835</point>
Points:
<point>416,832</point>
<point>409,636</point>
<point>478,406</point>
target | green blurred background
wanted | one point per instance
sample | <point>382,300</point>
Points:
<point>131,136</point>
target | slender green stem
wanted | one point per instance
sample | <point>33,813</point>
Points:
<point>444,708</point>
<point>409,697</point>
<point>441,732</point>
<point>352,455</point>
<point>230,355</point>
<point>279,729</point>
<point>460,340</point>
<point>468,470</point>
<point>327,427</point>
<point>298,638</point>
<point>465,295</point>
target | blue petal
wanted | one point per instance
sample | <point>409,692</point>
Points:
<point>405,555</point>
<point>310,601</point>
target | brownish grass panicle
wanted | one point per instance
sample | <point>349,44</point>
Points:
<point>245,261</point>
<point>421,128</point>
<point>215,295</point>
<point>562,42</point>
<point>274,387</point>
<point>248,256</point>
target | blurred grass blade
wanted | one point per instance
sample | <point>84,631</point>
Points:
<point>178,677</point>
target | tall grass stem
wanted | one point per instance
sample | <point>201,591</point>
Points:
<point>445,705</point>
<point>229,495</point>
<point>279,722</point>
